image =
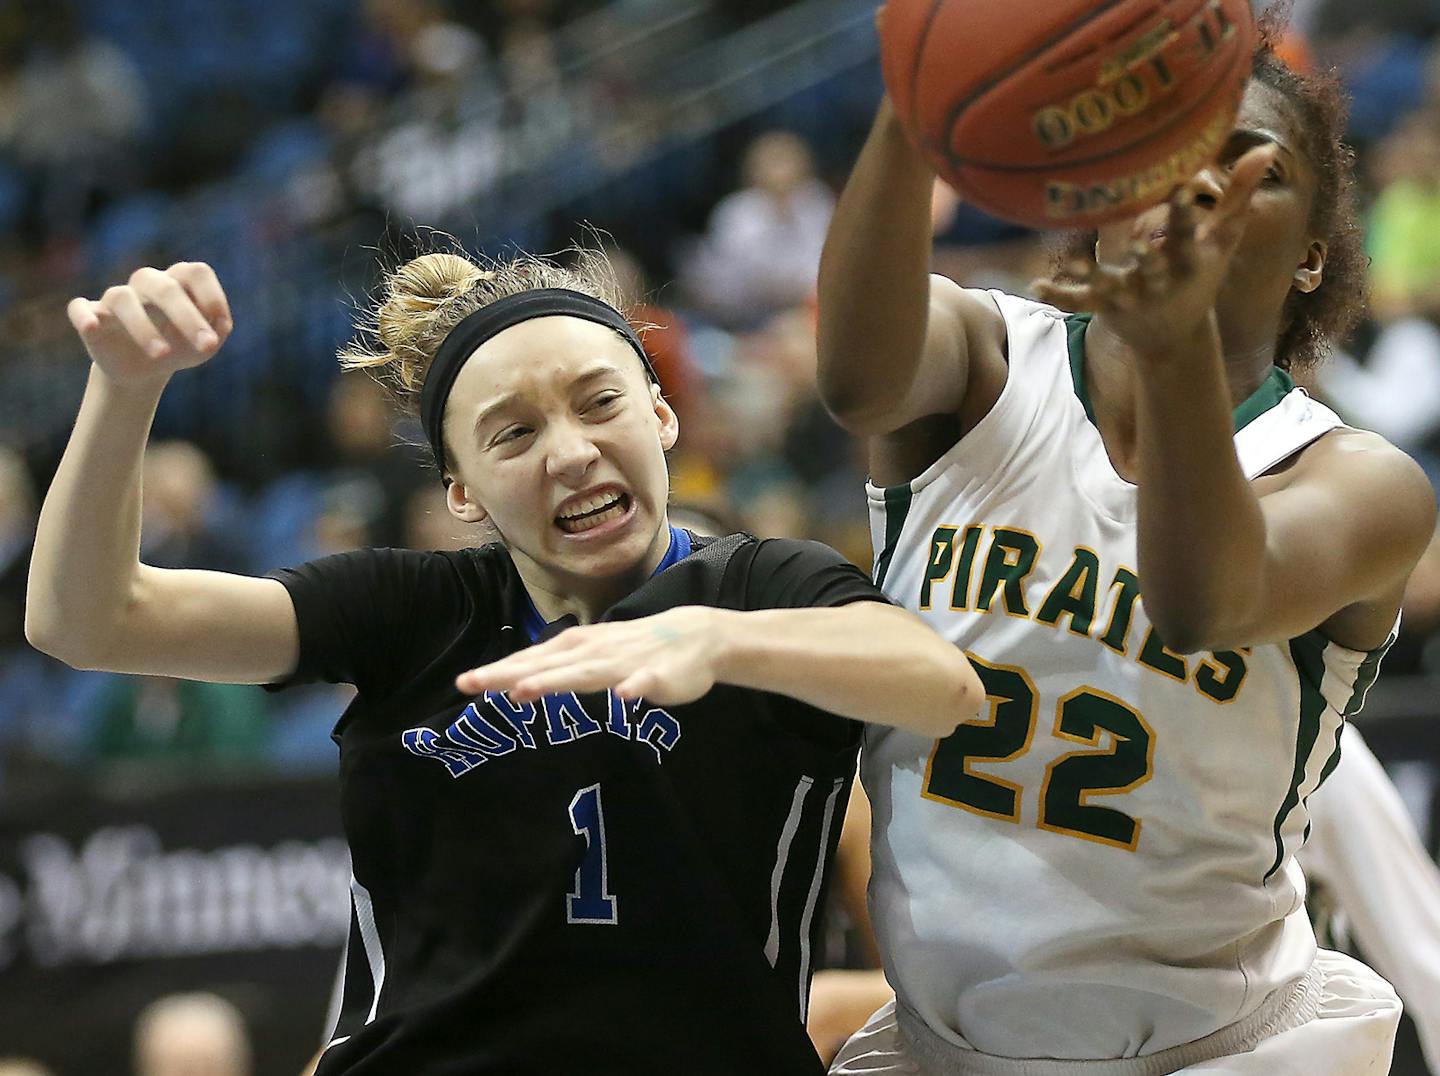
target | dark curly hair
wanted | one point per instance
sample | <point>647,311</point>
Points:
<point>1310,322</point>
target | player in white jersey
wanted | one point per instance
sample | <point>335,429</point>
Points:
<point>1099,870</point>
<point>1365,851</point>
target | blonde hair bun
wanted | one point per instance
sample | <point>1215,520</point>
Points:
<point>423,299</point>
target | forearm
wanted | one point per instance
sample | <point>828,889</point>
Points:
<point>874,276</point>
<point>868,661</point>
<point>1201,530</point>
<point>87,541</point>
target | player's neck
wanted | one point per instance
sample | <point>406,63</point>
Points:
<point>1112,372</point>
<point>587,598</point>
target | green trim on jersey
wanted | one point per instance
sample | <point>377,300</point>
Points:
<point>1308,654</point>
<point>1366,675</point>
<point>1076,326</point>
<point>897,507</point>
<point>1364,680</point>
<point>1276,386</point>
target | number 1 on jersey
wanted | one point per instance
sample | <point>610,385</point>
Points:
<point>590,901</point>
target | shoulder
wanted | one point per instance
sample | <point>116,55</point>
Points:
<point>753,563</point>
<point>802,552</point>
<point>404,576</point>
<point>1374,478</point>
<point>795,573</point>
<point>491,560</point>
<point>975,313</point>
<point>1005,340</point>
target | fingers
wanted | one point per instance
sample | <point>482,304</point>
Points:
<point>639,684</point>
<point>124,305</point>
<point>183,305</point>
<point>82,315</point>
<point>502,675</point>
<point>1180,233</point>
<point>1180,225</point>
<point>526,684</point>
<point>1076,298</point>
<point>1095,286</point>
<point>203,286</point>
<point>1154,270</point>
<point>1249,170</point>
<point>589,660</point>
<point>580,678</point>
<point>165,293</point>
<point>1228,221</point>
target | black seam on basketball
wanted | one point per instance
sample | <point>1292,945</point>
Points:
<point>915,64</point>
<point>1027,169</point>
<point>1129,28</point>
<point>985,87</point>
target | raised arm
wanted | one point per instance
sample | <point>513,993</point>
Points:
<point>1327,541</point>
<point>90,602</point>
<point>896,344</point>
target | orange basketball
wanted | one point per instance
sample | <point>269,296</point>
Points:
<point>1067,113</point>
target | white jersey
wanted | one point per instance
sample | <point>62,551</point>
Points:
<point>1101,864</point>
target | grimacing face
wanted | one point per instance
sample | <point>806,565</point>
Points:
<point>1278,251</point>
<point>556,436</point>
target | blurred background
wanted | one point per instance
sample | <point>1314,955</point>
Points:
<point>172,877</point>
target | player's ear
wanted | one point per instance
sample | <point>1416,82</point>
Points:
<point>665,415</point>
<point>461,506</point>
<point>1310,273</point>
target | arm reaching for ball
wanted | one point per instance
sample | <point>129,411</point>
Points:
<point>896,344</point>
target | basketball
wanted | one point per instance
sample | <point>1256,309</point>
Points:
<point>1069,113</point>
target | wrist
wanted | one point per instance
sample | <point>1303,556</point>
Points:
<point>891,133</point>
<point>727,640</point>
<point>136,389</point>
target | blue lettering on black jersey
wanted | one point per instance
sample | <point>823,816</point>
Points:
<point>517,715</point>
<point>494,726</point>
<point>566,719</point>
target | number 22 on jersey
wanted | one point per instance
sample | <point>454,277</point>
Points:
<point>1006,732</point>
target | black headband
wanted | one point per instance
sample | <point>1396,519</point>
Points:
<point>493,318</point>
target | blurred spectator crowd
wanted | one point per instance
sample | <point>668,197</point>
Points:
<point>298,146</point>
<point>194,1034</point>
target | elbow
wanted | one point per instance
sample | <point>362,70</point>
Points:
<point>42,634</point>
<point>859,423</point>
<point>964,697</point>
<point>1187,631</point>
<point>1188,644</point>
<point>54,644</point>
<point>857,411</point>
<point>64,643</point>
<point>864,407</point>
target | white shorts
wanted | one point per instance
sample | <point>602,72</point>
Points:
<point>1339,1020</point>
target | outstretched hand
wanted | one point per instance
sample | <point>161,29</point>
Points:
<point>669,658</point>
<point>1166,289</point>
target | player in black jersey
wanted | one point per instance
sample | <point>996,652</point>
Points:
<point>599,854</point>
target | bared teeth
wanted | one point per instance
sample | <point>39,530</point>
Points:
<point>590,522</point>
<point>591,504</point>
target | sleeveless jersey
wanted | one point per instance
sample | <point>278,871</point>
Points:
<point>1099,865</point>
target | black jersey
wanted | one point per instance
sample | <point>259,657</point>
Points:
<point>577,885</point>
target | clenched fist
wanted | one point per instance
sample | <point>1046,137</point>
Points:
<point>158,322</point>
